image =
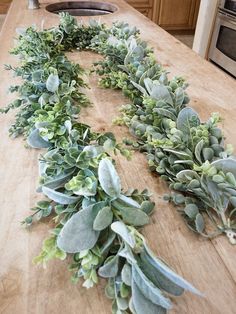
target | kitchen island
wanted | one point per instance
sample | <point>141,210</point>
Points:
<point>208,264</point>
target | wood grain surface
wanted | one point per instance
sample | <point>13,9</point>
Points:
<point>209,265</point>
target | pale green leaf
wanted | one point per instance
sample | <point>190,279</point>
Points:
<point>58,197</point>
<point>77,234</point>
<point>108,178</point>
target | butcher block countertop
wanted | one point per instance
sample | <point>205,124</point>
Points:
<point>209,264</point>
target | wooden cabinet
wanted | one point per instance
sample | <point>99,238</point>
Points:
<point>4,5</point>
<point>144,6</point>
<point>146,11</point>
<point>169,14</point>
<point>176,15</point>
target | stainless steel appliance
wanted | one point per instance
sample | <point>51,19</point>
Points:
<point>223,44</point>
<point>228,5</point>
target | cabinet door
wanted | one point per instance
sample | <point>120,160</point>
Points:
<point>174,15</point>
<point>4,5</point>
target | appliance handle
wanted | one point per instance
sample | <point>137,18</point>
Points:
<point>228,18</point>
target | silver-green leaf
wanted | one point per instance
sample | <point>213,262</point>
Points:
<point>58,197</point>
<point>148,289</point>
<point>167,272</point>
<point>103,219</point>
<point>187,119</point>
<point>121,229</point>
<point>110,267</point>
<point>108,178</point>
<point>126,274</point>
<point>143,305</point>
<point>77,234</point>
<point>52,83</point>
<point>36,141</point>
<point>199,223</point>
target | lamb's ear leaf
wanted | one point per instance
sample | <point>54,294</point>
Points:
<point>187,118</point>
<point>128,201</point>
<point>143,305</point>
<point>148,267</point>
<point>57,181</point>
<point>199,223</point>
<point>164,112</point>
<point>225,165</point>
<point>108,178</point>
<point>148,289</point>
<point>187,175</point>
<point>93,150</point>
<point>104,249</point>
<point>148,84</point>
<point>134,216</point>
<point>127,253</point>
<point>52,83</point>
<point>167,272</point>
<point>58,197</point>
<point>179,96</point>
<point>36,141</point>
<point>103,218</point>
<point>140,88</point>
<point>110,267</point>
<point>198,150</point>
<point>121,229</point>
<point>160,92</point>
<point>126,274</point>
<point>77,234</point>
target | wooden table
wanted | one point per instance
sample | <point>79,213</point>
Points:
<point>210,265</point>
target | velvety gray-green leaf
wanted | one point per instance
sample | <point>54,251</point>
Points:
<point>142,305</point>
<point>198,151</point>
<point>187,119</point>
<point>134,216</point>
<point>121,229</point>
<point>58,181</point>
<point>58,197</point>
<point>52,83</point>
<point>126,274</point>
<point>160,92</point>
<point>225,165</point>
<point>199,223</point>
<point>108,178</point>
<point>36,141</point>
<point>191,210</point>
<point>167,272</point>
<point>77,234</point>
<point>128,201</point>
<point>103,218</point>
<point>127,253</point>
<point>148,289</point>
<point>110,267</point>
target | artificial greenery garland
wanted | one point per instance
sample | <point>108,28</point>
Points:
<point>95,220</point>
<point>190,155</point>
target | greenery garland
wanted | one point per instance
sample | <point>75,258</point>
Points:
<point>96,221</point>
<point>190,155</point>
